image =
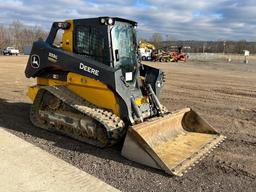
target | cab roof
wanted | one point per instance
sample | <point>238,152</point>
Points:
<point>97,19</point>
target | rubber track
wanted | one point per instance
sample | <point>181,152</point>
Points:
<point>115,127</point>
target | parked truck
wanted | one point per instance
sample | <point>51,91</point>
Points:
<point>10,51</point>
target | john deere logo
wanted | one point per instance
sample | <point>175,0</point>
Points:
<point>35,61</point>
<point>89,69</point>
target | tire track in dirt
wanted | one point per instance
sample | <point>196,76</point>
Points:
<point>229,167</point>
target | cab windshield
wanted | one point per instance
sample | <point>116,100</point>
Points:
<point>124,46</point>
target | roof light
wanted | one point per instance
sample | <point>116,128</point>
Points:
<point>102,20</point>
<point>110,21</point>
<point>63,25</point>
<point>107,20</point>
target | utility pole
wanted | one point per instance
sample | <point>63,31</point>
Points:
<point>224,47</point>
<point>204,47</point>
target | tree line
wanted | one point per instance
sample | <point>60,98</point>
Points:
<point>19,35</point>
<point>219,46</point>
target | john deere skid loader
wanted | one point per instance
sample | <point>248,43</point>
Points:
<point>93,88</point>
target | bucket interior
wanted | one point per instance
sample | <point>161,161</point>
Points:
<point>174,141</point>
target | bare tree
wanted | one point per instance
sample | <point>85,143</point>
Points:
<point>19,35</point>
<point>156,39</point>
<point>3,37</point>
<point>241,45</point>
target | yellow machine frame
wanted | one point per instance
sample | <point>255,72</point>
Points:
<point>91,90</point>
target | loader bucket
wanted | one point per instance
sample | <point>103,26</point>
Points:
<point>172,143</point>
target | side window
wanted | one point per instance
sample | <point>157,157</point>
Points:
<point>91,43</point>
<point>82,40</point>
<point>58,39</point>
<point>97,45</point>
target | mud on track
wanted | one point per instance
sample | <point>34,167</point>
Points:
<point>224,94</point>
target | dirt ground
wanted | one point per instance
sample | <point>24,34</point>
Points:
<point>223,93</point>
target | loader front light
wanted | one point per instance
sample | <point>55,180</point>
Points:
<point>102,20</point>
<point>63,25</point>
<point>110,21</point>
<point>107,21</point>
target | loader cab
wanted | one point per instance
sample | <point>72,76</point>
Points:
<point>110,41</point>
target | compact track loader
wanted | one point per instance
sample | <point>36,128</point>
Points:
<point>93,88</point>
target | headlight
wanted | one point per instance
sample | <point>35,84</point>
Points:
<point>63,25</point>
<point>102,20</point>
<point>107,21</point>
<point>110,21</point>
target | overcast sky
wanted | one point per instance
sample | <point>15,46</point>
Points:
<point>180,19</point>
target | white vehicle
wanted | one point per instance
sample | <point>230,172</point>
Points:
<point>145,54</point>
<point>10,51</point>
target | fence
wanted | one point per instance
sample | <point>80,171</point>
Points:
<point>233,58</point>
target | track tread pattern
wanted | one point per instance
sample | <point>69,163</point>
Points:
<point>115,127</point>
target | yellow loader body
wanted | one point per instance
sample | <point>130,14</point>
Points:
<point>92,87</point>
